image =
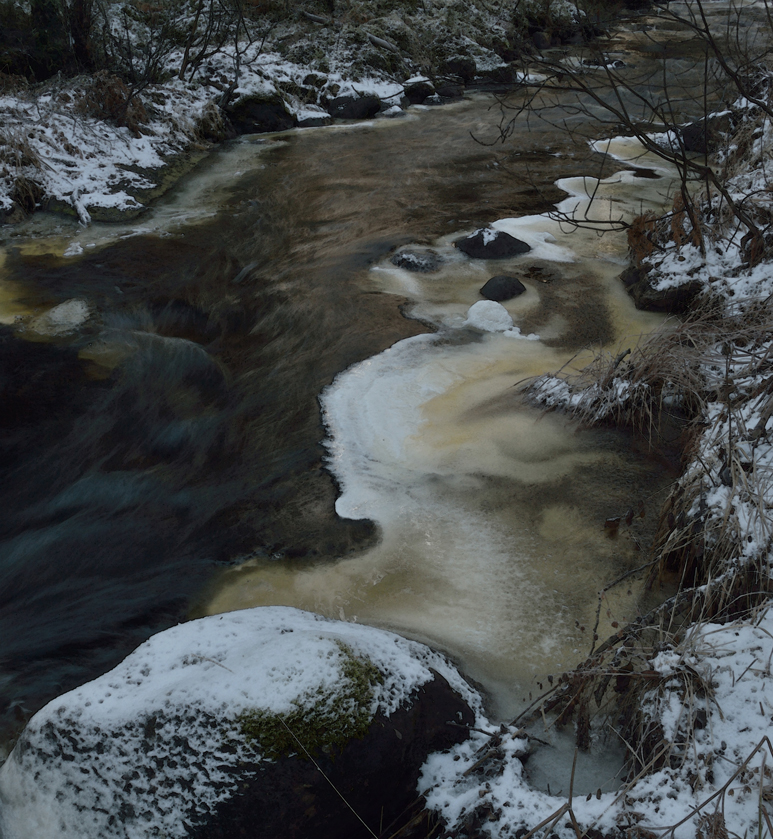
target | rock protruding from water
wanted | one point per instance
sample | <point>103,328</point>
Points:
<point>502,287</point>
<point>353,106</point>
<point>63,319</point>
<point>208,730</point>
<point>488,243</point>
<point>416,92</point>
<point>489,316</point>
<point>418,261</point>
<point>676,299</point>
<point>260,113</point>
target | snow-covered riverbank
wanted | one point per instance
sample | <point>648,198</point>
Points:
<point>90,145</point>
<point>696,734</point>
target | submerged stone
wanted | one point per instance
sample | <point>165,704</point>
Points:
<point>63,319</point>
<point>487,243</point>
<point>223,727</point>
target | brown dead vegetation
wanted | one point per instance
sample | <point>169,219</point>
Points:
<point>109,98</point>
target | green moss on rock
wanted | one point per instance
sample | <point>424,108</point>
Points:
<point>322,722</point>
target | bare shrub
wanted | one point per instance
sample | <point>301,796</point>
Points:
<point>109,98</point>
<point>26,194</point>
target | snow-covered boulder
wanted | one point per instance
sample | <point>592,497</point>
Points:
<point>488,243</point>
<point>224,727</point>
<point>489,316</point>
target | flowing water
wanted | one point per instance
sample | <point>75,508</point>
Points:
<point>491,516</point>
<point>252,362</point>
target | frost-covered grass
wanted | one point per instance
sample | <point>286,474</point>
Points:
<point>706,714</point>
<point>48,138</point>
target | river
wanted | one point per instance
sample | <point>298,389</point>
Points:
<point>170,456</point>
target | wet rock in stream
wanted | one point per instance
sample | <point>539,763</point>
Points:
<point>487,243</point>
<point>420,261</point>
<point>502,287</point>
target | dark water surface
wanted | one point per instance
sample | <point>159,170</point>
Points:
<point>180,429</point>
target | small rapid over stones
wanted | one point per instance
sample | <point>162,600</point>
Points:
<point>177,429</point>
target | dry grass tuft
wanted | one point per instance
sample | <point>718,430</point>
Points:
<point>641,237</point>
<point>16,150</point>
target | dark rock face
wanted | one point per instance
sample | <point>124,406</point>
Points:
<point>541,40</point>
<point>422,262</point>
<point>354,107</point>
<point>491,244</point>
<point>461,66</point>
<point>705,135</point>
<point>502,287</point>
<point>417,92</point>
<point>450,92</point>
<point>314,121</point>
<point>676,300</point>
<point>506,74</point>
<point>256,115</point>
<point>376,775</point>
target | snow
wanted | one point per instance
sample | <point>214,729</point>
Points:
<point>720,763</point>
<point>192,681</point>
<point>489,316</point>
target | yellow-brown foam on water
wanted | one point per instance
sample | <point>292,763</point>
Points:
<point>490,549</point>
<point>491,515</point>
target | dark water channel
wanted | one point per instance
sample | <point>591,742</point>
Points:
<point>179,428</point>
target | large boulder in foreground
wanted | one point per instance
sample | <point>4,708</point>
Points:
<point>488,243</point>
<point>209,730</point>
